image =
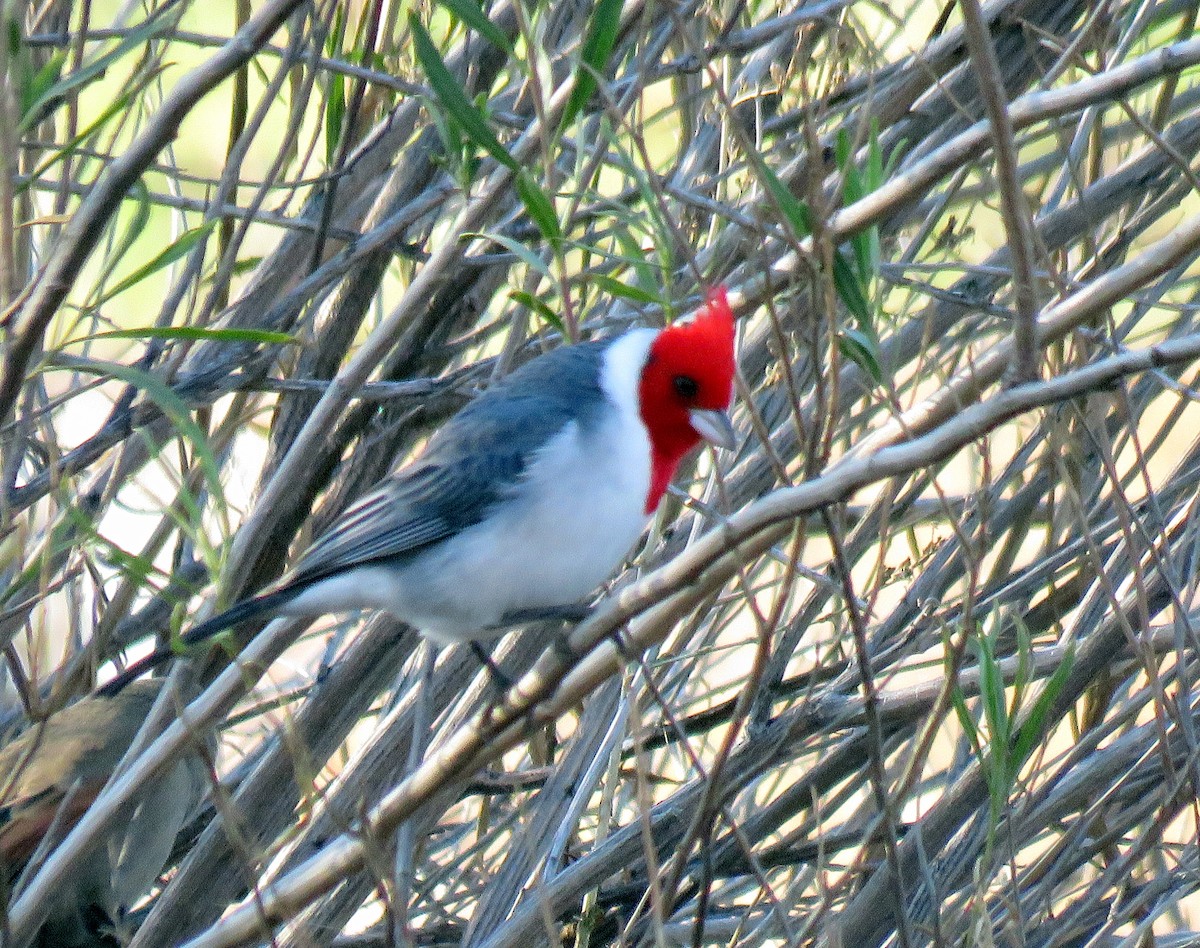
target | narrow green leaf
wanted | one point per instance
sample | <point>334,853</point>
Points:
<point>335,114</point>
<point>1029,733</point>
<point>593,56</point>
<point>849,286</point>
<point>850,289</point>
<point>256,336</point>
<point>847,283</point>
<point>991,691</point>
<point>1024,666</point>
<point>635,256</point>
<point>529,301</point>
<point>134,567</point>
<point>852,183</point>
<point>335,100</point>
<point>541,209</point>
<point>89,72</point>
<point>622,290</point>
<point>874,180</point>
<point>171,404</point>
<point>874,174</point>
<point>893,159</point>
<point>335,39</point>
<point>861,349</point>
<point>853,189</point>
<point>132,232</point>
<point>795,212</point>
<point>244,265</point>
<point>531,259</point>
<point>118,106</point>
<point>179,248</point>
<point>34,99</point>
<point>454,100</point>
<point>74,523</point>
<point>471,13</point>
<point>966,721</point>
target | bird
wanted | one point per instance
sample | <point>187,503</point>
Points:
<point>51,774</point>
<point>527,499</point>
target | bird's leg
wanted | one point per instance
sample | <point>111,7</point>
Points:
<point>621,645</point>
<point>500,681</point>
<point>573,613</point>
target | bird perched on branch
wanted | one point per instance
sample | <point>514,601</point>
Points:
<point>527,499</point>
<point>52,773</point>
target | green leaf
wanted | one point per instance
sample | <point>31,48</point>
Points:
<point>134,567</point>
<point>335,114</point>
<point>861,349</point>
<point>256,336</point>
<point>541,209</point>
<point>335,100</point>
<point>853,189</point>
<point>637,259</point>
<point>893,159</point>
<point>849,286</point>
<point>135,229</point>
<point>118,106</point>
<point>530,301</point>
<point>854,285</point>
<point>531,259</point>
<point>1024,666</point>
<point>852,184</point>
<point>245,265</point>
<point>454,100</point>
<point>991,691</point>
<point>34,96</point>
<point>171,405</point>
<point>1031,730</point>
<point>593,57</point>
<point>966,721</point>
<point>795,212</point>
<point>180,248</point>
<point>874,172</point>
<point>623,290</point>
<point>850,289</point>
<point>471,13</point>
<point>89,72</point>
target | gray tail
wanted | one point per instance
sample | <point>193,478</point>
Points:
<point>236,614</point>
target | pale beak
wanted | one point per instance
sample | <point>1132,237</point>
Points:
<point>714,427</point>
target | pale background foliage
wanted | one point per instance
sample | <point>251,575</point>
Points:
<point>776,756</point>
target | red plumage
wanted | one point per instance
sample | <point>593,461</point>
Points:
<point>700,350</point>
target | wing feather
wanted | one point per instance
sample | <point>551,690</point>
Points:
<point>475,461</point>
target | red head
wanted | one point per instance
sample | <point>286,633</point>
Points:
<point>686,385</point>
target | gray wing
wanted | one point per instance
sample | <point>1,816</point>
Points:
<point>469,466</point>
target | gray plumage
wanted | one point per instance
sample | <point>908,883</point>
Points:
<point>471,464</point>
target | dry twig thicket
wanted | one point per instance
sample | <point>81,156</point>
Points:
<point>916,666</point>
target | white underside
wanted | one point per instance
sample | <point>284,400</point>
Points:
<point>570,523</point>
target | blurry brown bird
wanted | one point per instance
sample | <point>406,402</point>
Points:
<point>52,773</point>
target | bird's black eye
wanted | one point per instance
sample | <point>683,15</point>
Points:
<point>686,387</point>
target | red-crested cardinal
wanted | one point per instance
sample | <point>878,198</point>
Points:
<point>528,498</point>
<point>51,774</point>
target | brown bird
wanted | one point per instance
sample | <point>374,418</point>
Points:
<point>52,773</point>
